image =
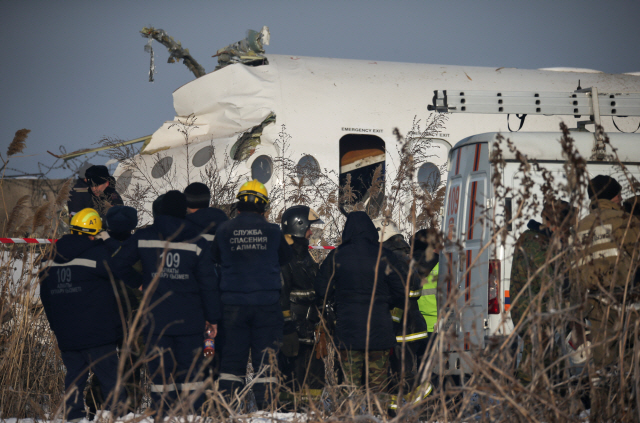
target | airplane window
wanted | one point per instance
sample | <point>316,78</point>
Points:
<point>162,167</point>
<point>309,168</point>
<point>202,156</point>
<point>261,169</point>
<point>429,177</point>
<point>123,181</point>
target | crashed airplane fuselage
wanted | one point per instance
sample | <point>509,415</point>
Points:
<point>338,115</point>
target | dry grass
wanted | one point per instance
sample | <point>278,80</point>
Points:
<point>18,143</point>
<point>31,372</point>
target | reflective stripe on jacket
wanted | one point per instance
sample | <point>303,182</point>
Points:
<point>427,302</point>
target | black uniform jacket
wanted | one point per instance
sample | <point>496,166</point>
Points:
<point>401,250</point>
<point>250,251</point>
<point>298,293</point>
<point>349,273</point>
<point>81,197</point>
<point>186,273</point>
<point>78,296</point>
<point>208,220</point>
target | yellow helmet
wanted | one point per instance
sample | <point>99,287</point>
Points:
<point>253,192</point>
<point>86,221</point>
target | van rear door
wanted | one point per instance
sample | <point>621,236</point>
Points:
<point>464,259</point>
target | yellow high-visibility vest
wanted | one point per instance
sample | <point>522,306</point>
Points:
<point>427,303</point>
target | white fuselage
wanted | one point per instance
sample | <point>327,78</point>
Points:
<point>318,101</point>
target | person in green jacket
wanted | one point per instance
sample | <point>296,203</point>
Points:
<point>427,302</point>
<point>427,256</point>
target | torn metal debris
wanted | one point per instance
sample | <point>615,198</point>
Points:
<point>248,51</point>
<point>248,141</point>
<point>152,65</point>
<point>176,51</point>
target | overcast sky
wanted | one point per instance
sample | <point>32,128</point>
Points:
<point>75,71</point>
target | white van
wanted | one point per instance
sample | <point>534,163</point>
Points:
<point>482,308</point>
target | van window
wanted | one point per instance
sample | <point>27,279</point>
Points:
<point>475,207</point>
<point>360,156</point>
<point>452,210</point>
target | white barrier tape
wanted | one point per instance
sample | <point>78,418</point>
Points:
<point>27,241</point>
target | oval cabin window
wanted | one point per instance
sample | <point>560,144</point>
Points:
<point>161,167</point>
<point>261,169</point>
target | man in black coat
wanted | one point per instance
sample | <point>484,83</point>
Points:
<point>79,301</point>
<point>119,224</point>
<point>180,280</point>
<point>207,220</point>
<point>348,276</point>
<point>199,213</point>
<point>298,304</point>
<point>96,190</point>
<point>250,251</point>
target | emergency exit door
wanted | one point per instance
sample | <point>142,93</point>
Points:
<point>360,157</point>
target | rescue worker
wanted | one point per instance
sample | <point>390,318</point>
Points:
<point>207,220</point>
<point>534,250</point>
<point>412,338</point>
<point>250,251</point>
<point>426,256</point>
<point>181,277</point>
<point>602,279</point>
<point>347,278</point>
<point>95,190</point>
<point>298,305</point>
<point>416,330</point>
<point>120,221</point>
<point>78,299</point>
<point>198,211</point>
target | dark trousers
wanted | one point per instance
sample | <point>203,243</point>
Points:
<point>103,361</point>
<point>256,329</point>
<point>294,369</point>
<point>413,354</point>
<point>175,369</point>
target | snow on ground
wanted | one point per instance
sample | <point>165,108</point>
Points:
<point>257,417</point>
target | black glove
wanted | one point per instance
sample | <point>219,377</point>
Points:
<point>290,344</point>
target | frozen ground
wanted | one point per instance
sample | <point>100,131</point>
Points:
<point>257,417</point>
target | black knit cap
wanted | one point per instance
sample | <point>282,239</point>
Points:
<point>603,187</point>
<point>198,195</point>
<point>156,207</point>
<point>97,175</point>
<point>120,221</point>
<point>174,203</point>
<point>420,240</point>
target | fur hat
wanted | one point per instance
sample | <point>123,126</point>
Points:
<point>174,203</point>
<point>198,195</point>
<point>557,211</point>
<point>97,175</point>
<point>603,187</point>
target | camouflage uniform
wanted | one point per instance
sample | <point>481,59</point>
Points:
<point>353,365</point>
<point>531,252</point>
<point>530,255</point>
<point>604,268</point>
